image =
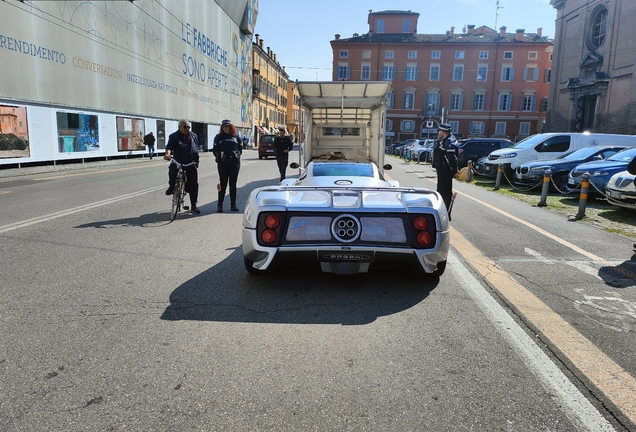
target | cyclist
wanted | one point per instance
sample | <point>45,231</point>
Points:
<point>183,146</point>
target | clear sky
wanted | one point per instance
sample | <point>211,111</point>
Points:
<point>299,31</point>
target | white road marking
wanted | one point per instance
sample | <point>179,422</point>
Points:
<point>44,218</point>
<point>576,407</point>
<point>538,256</point>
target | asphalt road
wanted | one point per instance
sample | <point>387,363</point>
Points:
<point>113,319</point>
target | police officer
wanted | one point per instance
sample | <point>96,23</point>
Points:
<point>445,163</point>
<point>227,150</point>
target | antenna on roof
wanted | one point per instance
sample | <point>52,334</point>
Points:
<point>497,12</point>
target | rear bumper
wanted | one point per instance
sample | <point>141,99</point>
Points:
<point>345,259</point>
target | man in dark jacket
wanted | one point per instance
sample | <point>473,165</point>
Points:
<point>183,146</point>
<point>445,163</point>
<point>283,146</point>
<point>149,141</point>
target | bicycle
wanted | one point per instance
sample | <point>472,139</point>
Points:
<point>179,192</point>
<point>407,156</point>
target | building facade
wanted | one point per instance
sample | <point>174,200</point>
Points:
<point>274,98</point>
<point>88,80</point>
<point>594,88</point>
<point>482,82</point>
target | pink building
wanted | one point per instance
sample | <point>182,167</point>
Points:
<point>484,83</point>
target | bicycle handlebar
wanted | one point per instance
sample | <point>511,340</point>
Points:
<point>173,160</point>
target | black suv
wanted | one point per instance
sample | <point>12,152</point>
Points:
<point>475,148</point>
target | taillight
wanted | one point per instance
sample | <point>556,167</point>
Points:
<point>423,231</point>
<point>272,221</point>
<point>268,236</point>
<point>269,228</point>
<point>424,238</point>
<point>420,223</point>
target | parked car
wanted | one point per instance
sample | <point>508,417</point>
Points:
<point>391,147</point>
<point>480,169</point>
<point>548,146</point>
<point>532,173</point>
<point>421,150</point>
<point>621,191</point>
<point>345,218</point>
<point>600,171</point>
<point>474,149</point>
<point>266,146</point>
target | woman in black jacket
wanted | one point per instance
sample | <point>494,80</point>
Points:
<point>227,149</point>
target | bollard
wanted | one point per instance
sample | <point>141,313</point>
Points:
<point>585,184</point>
<point>499,174</point>
<point>470,171</point>
<point>546,186</point>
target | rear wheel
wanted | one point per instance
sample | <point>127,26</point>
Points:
<point>249,266</point>
<point>176,200</point>
<point>440,269</point>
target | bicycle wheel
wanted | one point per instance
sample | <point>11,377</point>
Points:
<point>176,200</point>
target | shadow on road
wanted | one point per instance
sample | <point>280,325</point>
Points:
<point>620,276</point>
<point>150,220</point>
<point>226,292</point>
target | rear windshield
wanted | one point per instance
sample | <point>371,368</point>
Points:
<point>342,169</point>
<point>267,139</point>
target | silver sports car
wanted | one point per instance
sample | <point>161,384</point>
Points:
<point>346,218</point>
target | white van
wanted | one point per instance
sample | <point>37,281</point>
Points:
<point>550,146</point>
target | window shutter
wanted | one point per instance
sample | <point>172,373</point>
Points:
<point>417,73</point>
<point>512,74</point>
<point>525,74</point>
<point>533,103</point>
<point>536,74</point>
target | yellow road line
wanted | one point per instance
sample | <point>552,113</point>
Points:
<point>608,376</point>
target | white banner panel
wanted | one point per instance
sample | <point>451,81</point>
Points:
<point>165,59</point>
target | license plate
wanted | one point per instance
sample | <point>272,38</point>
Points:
<point>615,194</point>
<point>340,256</point>
<point>269,151</point>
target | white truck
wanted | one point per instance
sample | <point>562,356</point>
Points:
<point>343,121</point>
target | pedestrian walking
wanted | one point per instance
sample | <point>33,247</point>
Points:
<point>149,141</point>
<point>227,150</point>
<point>445,163</point>
<point>283,145</point>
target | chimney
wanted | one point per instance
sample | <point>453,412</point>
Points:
<point>257,36</point>
<point>539,31</point>
<point>269,52</point>
<point>452,32</point>
<point>260,44</point>
<point>471,28</point>
<point>502,31</point>
<point>337,36</point>
<point>519,36</point>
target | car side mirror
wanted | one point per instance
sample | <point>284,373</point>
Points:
<point>388,167</point>
<point>597,158</point>
<point>294,165</point>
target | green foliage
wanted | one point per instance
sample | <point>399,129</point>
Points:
<point>11,142</point>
